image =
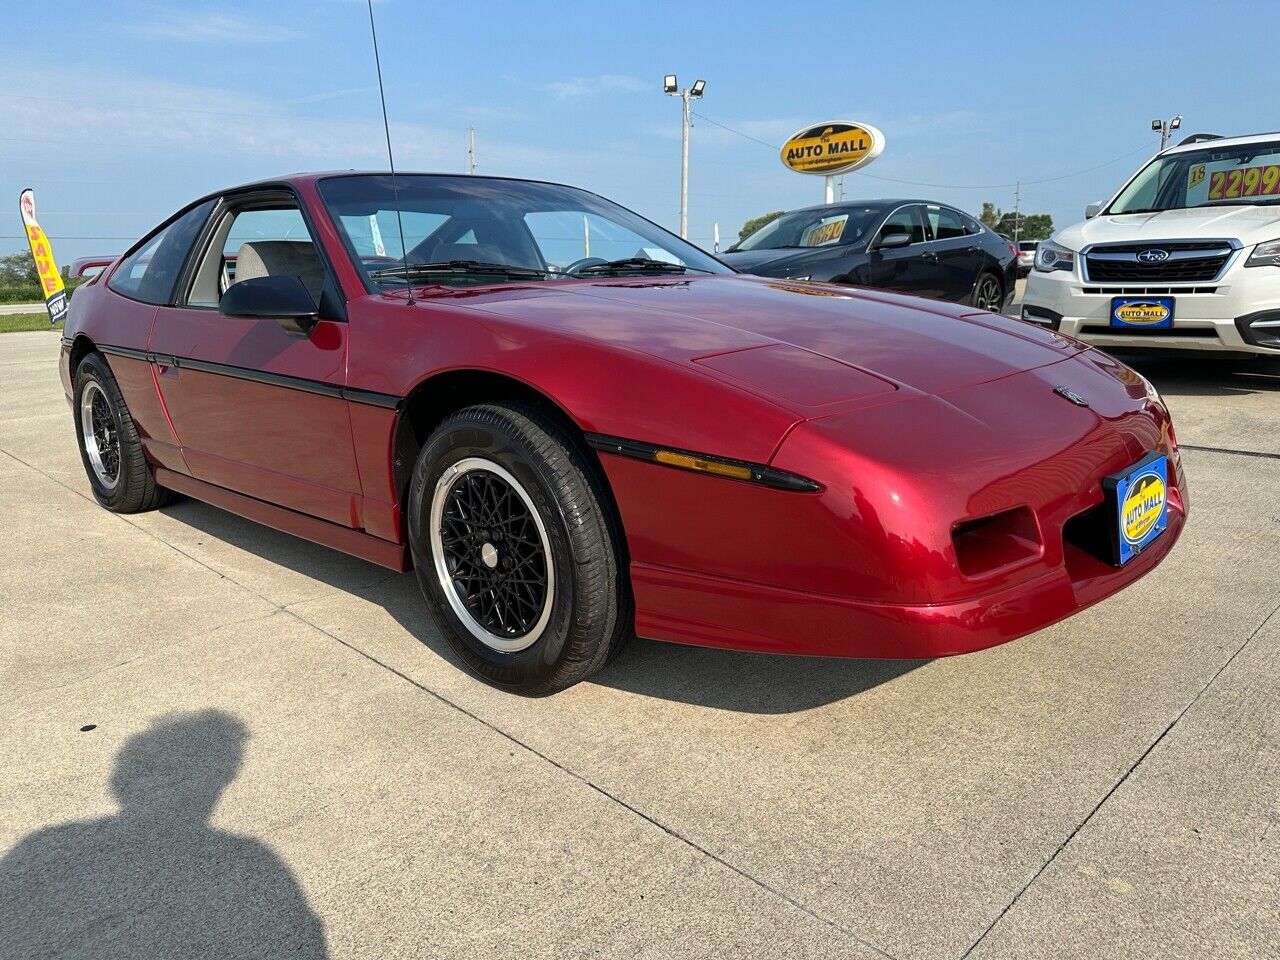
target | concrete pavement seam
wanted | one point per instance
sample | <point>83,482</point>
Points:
<point>1230,452</point>
<point>1119,783</point>
<point>674,834</point>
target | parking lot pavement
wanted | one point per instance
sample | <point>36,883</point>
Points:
<point>1106,785</point>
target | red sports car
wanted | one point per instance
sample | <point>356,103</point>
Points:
<point>575,426</point>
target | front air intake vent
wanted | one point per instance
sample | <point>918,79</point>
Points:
<point>987,544</point>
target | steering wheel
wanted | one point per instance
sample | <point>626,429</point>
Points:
<point>573,268</point>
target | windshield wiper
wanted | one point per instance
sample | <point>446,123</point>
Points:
<point>636,265</point>
<point>460,268</point>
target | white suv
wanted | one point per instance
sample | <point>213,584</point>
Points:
<point>1186,256</point>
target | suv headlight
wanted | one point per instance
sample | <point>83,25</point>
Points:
<point>1052,256</point>
<point>1265,255</point>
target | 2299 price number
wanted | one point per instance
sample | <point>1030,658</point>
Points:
<point>1246,182</point>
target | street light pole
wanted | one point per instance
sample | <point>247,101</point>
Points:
<point>1165,127</point>
<point>684,168</point>
<point>672,89</point>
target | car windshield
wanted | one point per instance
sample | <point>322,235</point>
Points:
<point>1222,176</point>
<point>465,230</point>
<point>813,228</point>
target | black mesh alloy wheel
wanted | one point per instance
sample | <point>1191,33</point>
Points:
<point>517,548</point>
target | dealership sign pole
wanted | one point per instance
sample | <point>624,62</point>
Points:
<point>830,149</point>
<point>55,294</point>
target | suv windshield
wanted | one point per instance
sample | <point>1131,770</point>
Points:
<point>1247,174</point>
<point>813,228</point>
<point>464,230</point>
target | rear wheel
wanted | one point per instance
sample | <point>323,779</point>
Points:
<point>988,293</point>
<point>515,550</point>
<point>117,468</point>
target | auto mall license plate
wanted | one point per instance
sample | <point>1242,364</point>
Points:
<point>1142,313</point>
<point>1140,505</point>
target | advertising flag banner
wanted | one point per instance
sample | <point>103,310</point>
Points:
<point>55,294</point>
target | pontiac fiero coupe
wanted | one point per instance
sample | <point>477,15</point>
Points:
<point>575,426</point>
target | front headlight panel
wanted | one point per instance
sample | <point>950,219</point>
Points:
<point>1052,256</point>
<point>1265,255</point>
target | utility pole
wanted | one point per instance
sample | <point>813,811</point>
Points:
<point>672,89</point>
<point>1017,217</point>
<point>471,150</point>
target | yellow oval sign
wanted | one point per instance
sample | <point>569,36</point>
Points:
<point>831,148</point>
<point>1143,313</point>
<point>1142,507</point>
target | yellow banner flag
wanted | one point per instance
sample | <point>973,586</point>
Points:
<point>55,294</point>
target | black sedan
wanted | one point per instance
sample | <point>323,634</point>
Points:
<point>910,246</point>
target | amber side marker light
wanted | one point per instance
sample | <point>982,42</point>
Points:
<point>756,473</point>
<point>702,465</point>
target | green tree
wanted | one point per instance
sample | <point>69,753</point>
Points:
<point>751,226</point>
<point>990,216</point>
<point>18,270</point>
<point>1026,226</point>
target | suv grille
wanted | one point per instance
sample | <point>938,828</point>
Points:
<point>1187,261</point>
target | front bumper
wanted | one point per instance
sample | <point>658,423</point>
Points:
<point>719,612</point>
<point>1238,313</point>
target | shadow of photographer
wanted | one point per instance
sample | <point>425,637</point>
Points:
<point>157,880</point>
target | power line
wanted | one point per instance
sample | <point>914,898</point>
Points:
<point>941,186</point>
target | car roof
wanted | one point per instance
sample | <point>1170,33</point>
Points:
<point>313,176</point>
<point>1224,142</point>
<point>890,202</point>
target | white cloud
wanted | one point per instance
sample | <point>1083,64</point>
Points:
<point>605,83</point>
<point>108,116</point>
<point>214,28</point>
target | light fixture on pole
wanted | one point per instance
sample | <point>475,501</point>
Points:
<point>671,87</point>
<point>1164,127</point>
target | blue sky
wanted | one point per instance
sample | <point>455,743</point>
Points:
<point>119,117</point>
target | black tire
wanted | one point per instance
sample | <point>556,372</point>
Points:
<point>584,596</point>
<point>978,297</point>
<point>135,488</point>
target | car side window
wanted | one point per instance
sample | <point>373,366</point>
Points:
<point>259,241</point>
<point>905,220</point>
<point>944,223</point>
<point>150,273</point>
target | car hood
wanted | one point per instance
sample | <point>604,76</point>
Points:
<point>749,260</point>
<point>1248,224</point>
<point>823,339</point>
<point>783,263</point>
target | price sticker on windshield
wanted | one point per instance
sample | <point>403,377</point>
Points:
<point>1245,182</point>
<point>824,231</point>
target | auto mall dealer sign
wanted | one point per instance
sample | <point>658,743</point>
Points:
<point>832,148</point>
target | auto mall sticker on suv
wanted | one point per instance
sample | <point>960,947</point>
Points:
<point>1151,313</point>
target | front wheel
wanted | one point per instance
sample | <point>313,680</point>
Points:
<point>988,293</point>
<point>515,550</point>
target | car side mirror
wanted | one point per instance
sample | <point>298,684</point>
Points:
<point>1093,209</point>
<point>282,299</point>
<point>892,241</point>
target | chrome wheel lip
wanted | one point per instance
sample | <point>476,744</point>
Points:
<point>988,297</point>
<point>99,448</point>
<point>439,500</point>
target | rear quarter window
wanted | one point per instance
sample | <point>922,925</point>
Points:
<point>151,271</point>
